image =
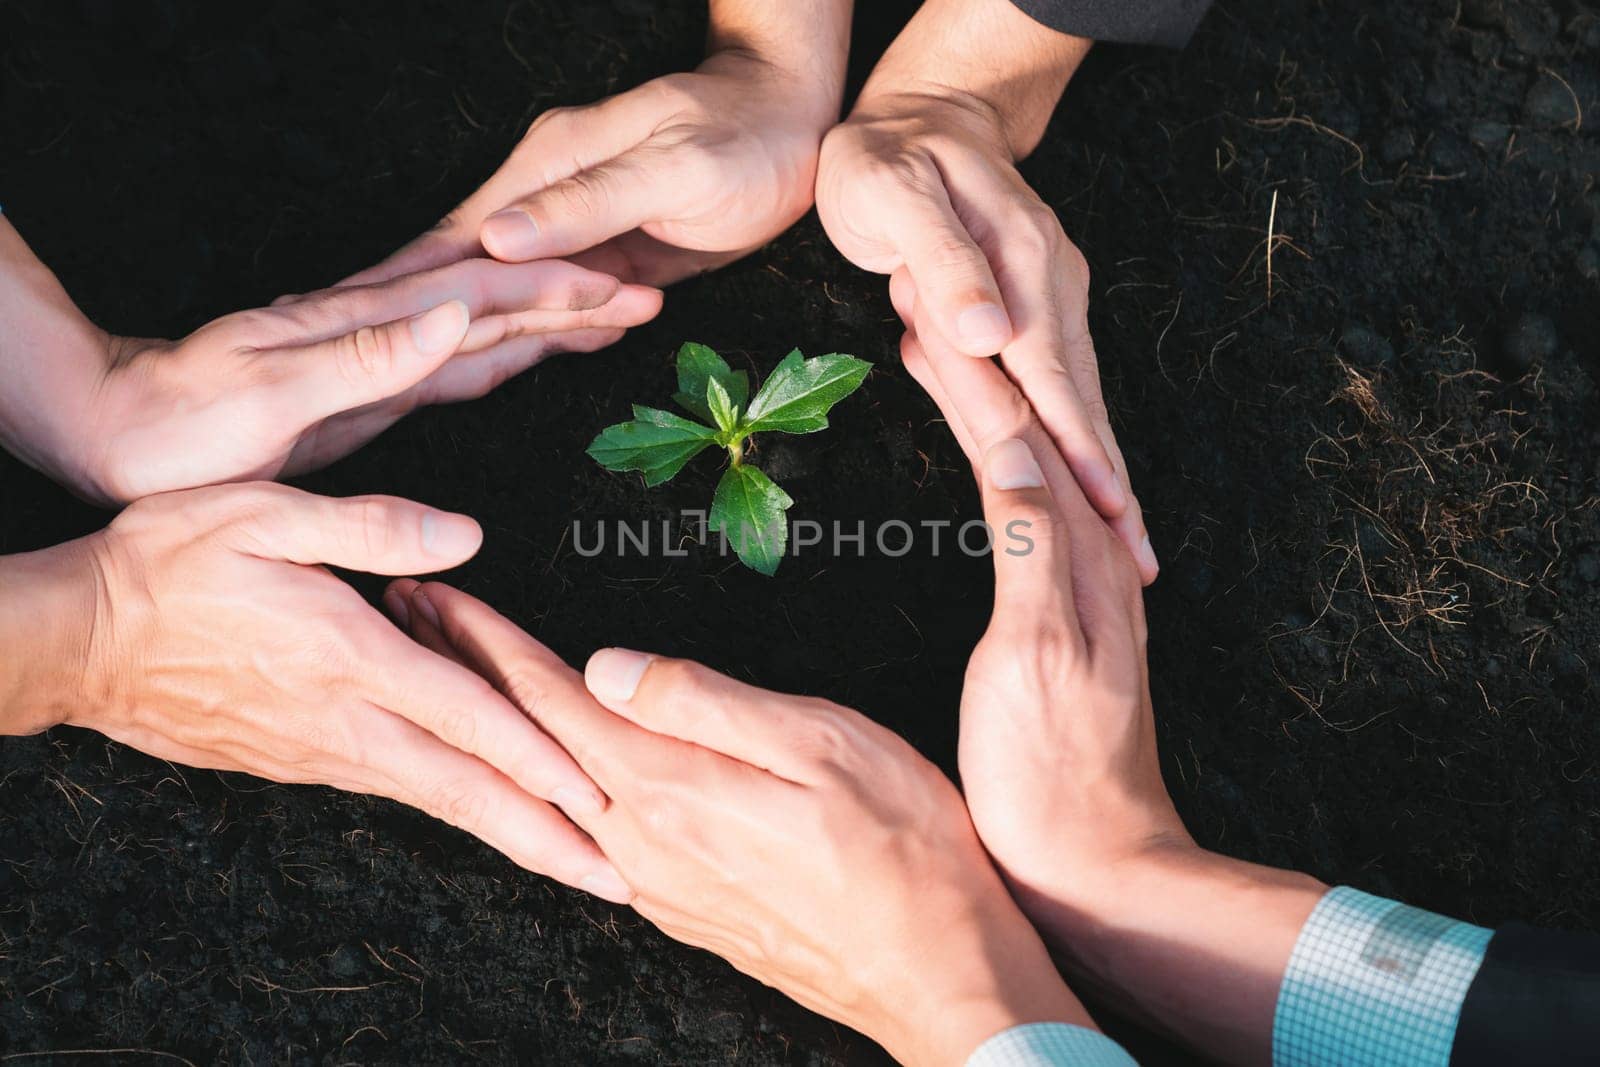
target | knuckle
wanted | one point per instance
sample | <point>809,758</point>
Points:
<point>1035,518</point>
<point>1054,651</point>
<point>583,195</point>
<point>365,354</point>
<point>1094,404</point>
<point>459,804</point>
<point>1014,417</point>
<point>663,816</point>
<point>951,254</point>
<point>525,687</point>
<point>1031,659</point>
<point>898,172</point>
<point>457,727</point>
<point>373,526</point>
<point>1036,239</point>
<point>824,739</point>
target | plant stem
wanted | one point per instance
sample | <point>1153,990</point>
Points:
<point>736,452</point>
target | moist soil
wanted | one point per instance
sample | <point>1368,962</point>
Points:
<point>1370,468</point>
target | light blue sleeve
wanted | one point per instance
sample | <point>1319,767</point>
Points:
<point>1374,982</point>
<point>1050,1045</point>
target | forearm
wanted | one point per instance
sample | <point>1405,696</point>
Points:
<point>49,601</point>
<point>1189,942</point>
<point>50,356</point>
<point>987,54</point>
<point>807,40</point>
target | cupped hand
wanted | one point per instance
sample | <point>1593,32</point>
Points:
<point>1057,748</point>
<point>281,390</point>
<point>680,175</point>
<point>920,178</point>
<point>809,847</point>
<point>220,640</point>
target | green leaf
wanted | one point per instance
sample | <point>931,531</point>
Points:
<point>722,406</point>
<point>749,509</point>
<point>797,396</point>
<point>698,366</point>
<point>656,442</point>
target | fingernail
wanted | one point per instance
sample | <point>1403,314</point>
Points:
<point>1147,556</point>
<point>984,326</point>
<point>613,674</point>
<point>395,605</point>
<point>607,884</point>
<point>575,801</point>
<point>450,536</point>
<point>510,234</point>
<point>1010,465</point>
<point>425,608</point>
<point>441,329</point>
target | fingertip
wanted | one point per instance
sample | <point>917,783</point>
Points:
<point>612,675</point>
<point>639,303</point>
<point>511,235</point>
<point>1010,465</point>
<point>983,329</point>
<point>440,331</point>
<point>607,884</point>
<point>903,293</point>
<point>395,599</point>
<point>449,536</point>
<point>1149,565</point>
<point>426,611</point>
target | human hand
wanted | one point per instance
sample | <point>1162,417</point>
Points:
<point>673,178</point>
<point>218,639</point>
<point>921,177</point>
<point>277,391</point>
<point>809,847</point>
<point>1057,748</point>
<point>1058,751</point>
<point>280,390</point>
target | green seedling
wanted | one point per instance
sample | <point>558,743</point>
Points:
<point>749,509</point>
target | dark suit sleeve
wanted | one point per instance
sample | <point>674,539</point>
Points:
<point>1162,22</point>
<point>1535,1000</point>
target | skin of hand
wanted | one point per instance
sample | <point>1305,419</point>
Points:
<point>680,175</point>
<point>203,627</point>
<point>922,177</point>
<point>1058,751</point>
<point>807,846</point>
<point>277,391</point>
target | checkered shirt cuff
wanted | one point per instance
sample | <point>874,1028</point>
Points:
<point>1050,1045</point>
<point>1373,982</point>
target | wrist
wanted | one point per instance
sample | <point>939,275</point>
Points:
<point>50,611</point>
<point>802,46</point>
<point>810,104</point>
<point>51,357</point>
<point>985,57</point>
<point>1189,942</point>
<point>984,977</point>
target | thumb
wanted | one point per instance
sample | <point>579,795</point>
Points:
<point>374,534</point>
<point>368,364</point>
<point>589,207</point>
<point>1032,561</point>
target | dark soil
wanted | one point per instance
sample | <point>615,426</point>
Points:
<point>1371,475</point>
